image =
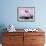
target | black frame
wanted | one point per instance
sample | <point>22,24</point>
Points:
<point>25,20</point>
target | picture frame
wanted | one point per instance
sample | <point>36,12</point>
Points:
<point>26,14</point>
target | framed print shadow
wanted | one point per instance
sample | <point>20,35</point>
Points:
<point>26,14</point>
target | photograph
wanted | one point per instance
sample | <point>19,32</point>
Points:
<point>26,14</point>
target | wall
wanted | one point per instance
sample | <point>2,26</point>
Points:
<point>9,13</point>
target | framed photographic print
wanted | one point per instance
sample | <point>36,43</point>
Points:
<point>26,14</point>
